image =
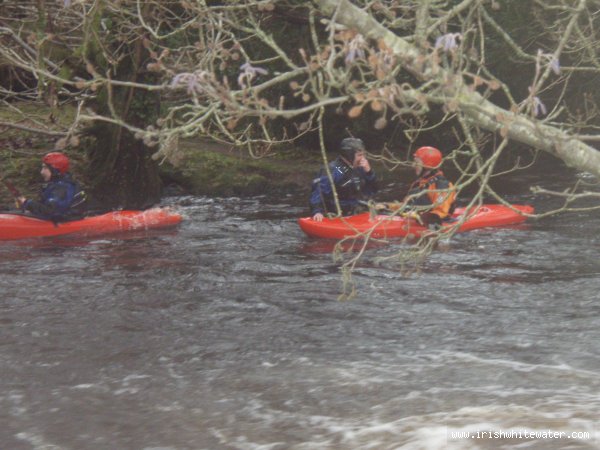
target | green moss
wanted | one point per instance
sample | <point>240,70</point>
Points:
<point>26,114</point>
<point>208,170</point>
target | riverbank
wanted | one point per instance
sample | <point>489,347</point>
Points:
<point>201,168</point>
<point>217,170</point>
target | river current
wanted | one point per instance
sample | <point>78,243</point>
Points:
<point>226,333</point>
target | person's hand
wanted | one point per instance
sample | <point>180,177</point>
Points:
<point>412,215</point>
<point>318,217</point>
<point>364,163</point>
<point>20,201</point>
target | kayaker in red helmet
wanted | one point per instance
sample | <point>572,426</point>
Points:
<point>61,197</point>
<point>431,193</point>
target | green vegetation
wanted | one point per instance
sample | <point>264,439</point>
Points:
<point>206,168</point>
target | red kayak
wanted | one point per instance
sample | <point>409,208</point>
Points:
<point>19,226</point>
<point>385,226</point>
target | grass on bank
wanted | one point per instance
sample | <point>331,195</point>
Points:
<point>204,167</point>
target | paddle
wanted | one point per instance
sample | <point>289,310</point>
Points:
<point>393,209</point>
<point>11,187</point>
<point>14,191</point>
<point>375,206</point>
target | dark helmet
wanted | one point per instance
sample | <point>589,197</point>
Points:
<point>58,162</point>
<point>350,147</point>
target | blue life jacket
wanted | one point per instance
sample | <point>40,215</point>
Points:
<point>351,184</point>
<point>60,199</point>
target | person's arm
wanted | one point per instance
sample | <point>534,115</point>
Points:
<point>38,208</point>
<point>371,186</point>
<point>321,190</point>
<point>55,201</point>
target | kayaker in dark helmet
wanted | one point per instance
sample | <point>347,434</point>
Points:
<point>60,198</point>
<point>353,179</point>
<point>431,193</point>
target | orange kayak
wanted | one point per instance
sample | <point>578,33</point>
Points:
<point>385,226</point>
<point>19,226</point>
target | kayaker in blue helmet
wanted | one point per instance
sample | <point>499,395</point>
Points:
<point>352,176</point>
<point>61,197</point>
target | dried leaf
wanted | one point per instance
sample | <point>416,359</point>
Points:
<point>60,144</point>
<point>154,67</point>
<point>80,84</point>
<point>355,111</point>
<point>381,45</point>
<point>373,93</point>
<point>373,61</point>
<point>306,98</point>
<point>504,131</point>
<point>90,69</point>
<point>380,123</point>
<point>231,124</point>
<point>345,35</point>
<point>74,141</point>
<point>294,85</point>
<point>376,105</point>
<point>494,85</point>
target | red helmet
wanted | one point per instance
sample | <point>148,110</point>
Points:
<point>57,161</point>
<point>431,157</point>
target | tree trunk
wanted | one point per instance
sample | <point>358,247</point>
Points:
<point>123,172</point>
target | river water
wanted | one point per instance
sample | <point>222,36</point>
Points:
<point>226,333</point>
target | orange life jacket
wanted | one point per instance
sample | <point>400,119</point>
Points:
<point>442,201</point>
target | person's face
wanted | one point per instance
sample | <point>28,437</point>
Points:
<point>45,172</point>
<point>358,157</point>
<point>418,166</point>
